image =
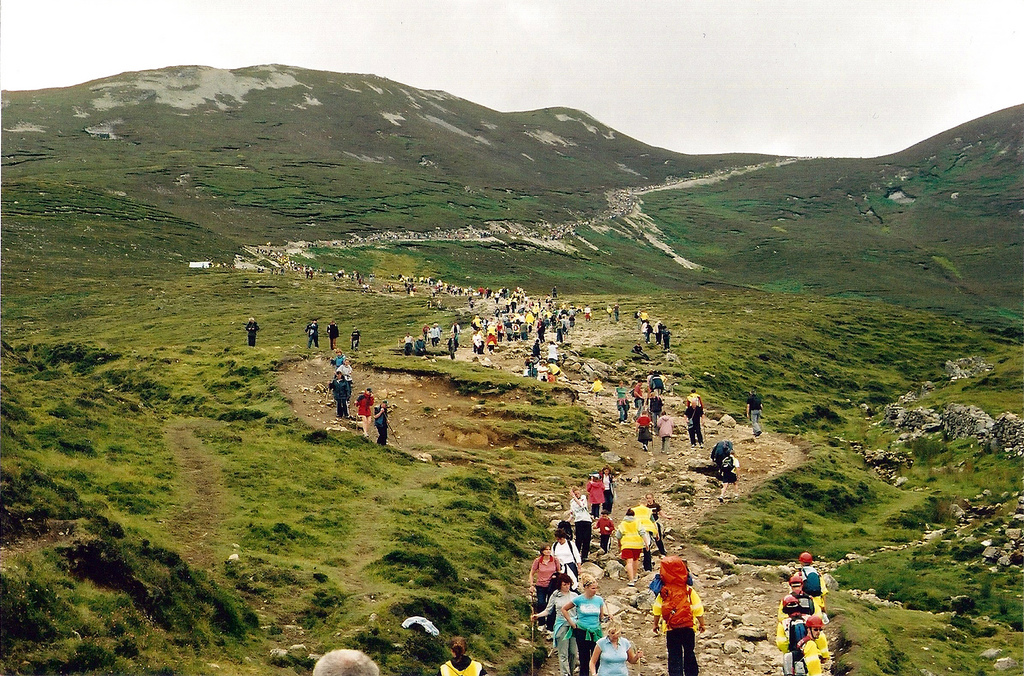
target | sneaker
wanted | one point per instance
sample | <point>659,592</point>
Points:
<point>632,583</point>
<point>721,499</point>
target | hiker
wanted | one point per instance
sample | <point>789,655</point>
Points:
<point>656,383</point>
<point>565,643</point>
<point>694,412</point>
<point>754,412</point>
<point>461,664</point>
<point>345,369</point>
<point>802,640</point>
<point>727,472</point>
<point>813,584</point>
<point>605,527</point>
<point>655,508</point>
<point>452,345</point>
<point>251,328</point>
<point>621,402</point>
<point>355,339</point>
<point>313,333</point>
<point>616,311</point>
<point>595,494</point>
<point>631,543</point>
<point>638,350</point>
<point>665,431</point>
<point>675,609</point>
<point>596,388</point>
<point>613,652</point>
<point>568,555</point>
<point>364,407</point>
<point>666,338</point>
<point>420,348</point>
<point>655,403</point>
<point>648,529</point>
<point>720,450</point>
<point>808,606</point>
<point>579,510</point>
<point>341,391</point>
<point>543,579</point>
<point>552,352</point>
<point>814,647</point>
<point>408,344</point>
<point>332,333</point>
<point>643,429</point>
<point>609,488</point>
<point>639,398</point>
<point>380,421</point>
<point>590,612</point>
<point>345,663</point>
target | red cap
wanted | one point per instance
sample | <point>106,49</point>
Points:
<point>796,579</point>
<point>806,557</point>
<point>815,622</point>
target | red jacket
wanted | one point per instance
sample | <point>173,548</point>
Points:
<point>365,404</point>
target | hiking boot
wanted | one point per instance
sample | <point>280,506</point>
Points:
<point>721,500</point>
<point>631,583</point>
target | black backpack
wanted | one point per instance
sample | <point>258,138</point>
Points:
<point>720,451</point>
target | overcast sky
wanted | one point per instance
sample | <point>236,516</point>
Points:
<point>794,77</point>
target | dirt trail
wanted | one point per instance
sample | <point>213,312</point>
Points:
<point>202,491</point>
<point>732,601</point>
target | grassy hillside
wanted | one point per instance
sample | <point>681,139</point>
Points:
<point>285,153</point>
<point>934,226</point>
<point>117,399</point>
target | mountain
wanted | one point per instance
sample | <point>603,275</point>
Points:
<point>149,169</point>
<point>285,148</point>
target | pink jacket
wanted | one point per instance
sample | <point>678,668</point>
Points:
<point>665,426</point>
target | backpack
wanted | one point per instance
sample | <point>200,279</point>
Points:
<point>806,604</point>
<point>676,610</point>
<point>812,581</point>
<point>720,451</point>
<point>728,463</point>
<point>657,383</point>
<point>793,661</point>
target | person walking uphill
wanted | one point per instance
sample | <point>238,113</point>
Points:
<point>251,328</point>
<point>364,407</point>
<point>694,412</point>
<point>676,610</point>
<point>754,412</point>
<point>380,421</point>
<point>332,333</point>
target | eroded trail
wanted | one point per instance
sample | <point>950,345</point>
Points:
<point>201,491</point>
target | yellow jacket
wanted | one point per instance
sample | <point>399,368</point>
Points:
<point>628,534</point>
<point>474,669</point>
<point>815,650</point>
<point>643,517</point>
<point>696,606</point>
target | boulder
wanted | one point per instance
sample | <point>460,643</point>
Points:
<point>1005,664</point>
<point>727,421</point>
<point>728,581</point>
<point>991,653</point>
<point>732,646</point>
<point>592,569</point>
<point>609,456</point>
<point>751,619</point>
<point>615,570</point>
<point>752,633</point>
<point>830,582</point>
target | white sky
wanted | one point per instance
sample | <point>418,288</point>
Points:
<point>801,77</point>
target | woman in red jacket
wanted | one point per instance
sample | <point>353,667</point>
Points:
<point>364,406</point>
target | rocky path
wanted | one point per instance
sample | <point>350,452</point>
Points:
<point>740,601</point>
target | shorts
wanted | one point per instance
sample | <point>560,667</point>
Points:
<point>630,554</point>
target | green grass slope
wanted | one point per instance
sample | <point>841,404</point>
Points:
<point>936,225</point>
<point>280,153</point>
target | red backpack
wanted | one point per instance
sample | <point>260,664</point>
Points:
<point>675,594</point>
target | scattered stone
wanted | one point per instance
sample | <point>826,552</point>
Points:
<point>1005,664</point>
<point>609,456</point>
<point>593,569</point>
<point>727,421</point>
<point>752,633</point>
<point>732,646</point>
<point>297,648</point>
<point>991,653</point>
<point>966,368</point>
<point>615,570</point>
<point>728,581</point>
<point>278,652</point>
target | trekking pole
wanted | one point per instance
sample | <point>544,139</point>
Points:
<point>392,429</point>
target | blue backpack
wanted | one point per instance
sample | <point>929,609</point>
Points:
<point>812,581</point>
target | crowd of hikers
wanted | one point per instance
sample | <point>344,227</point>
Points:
<point>586,638</point>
